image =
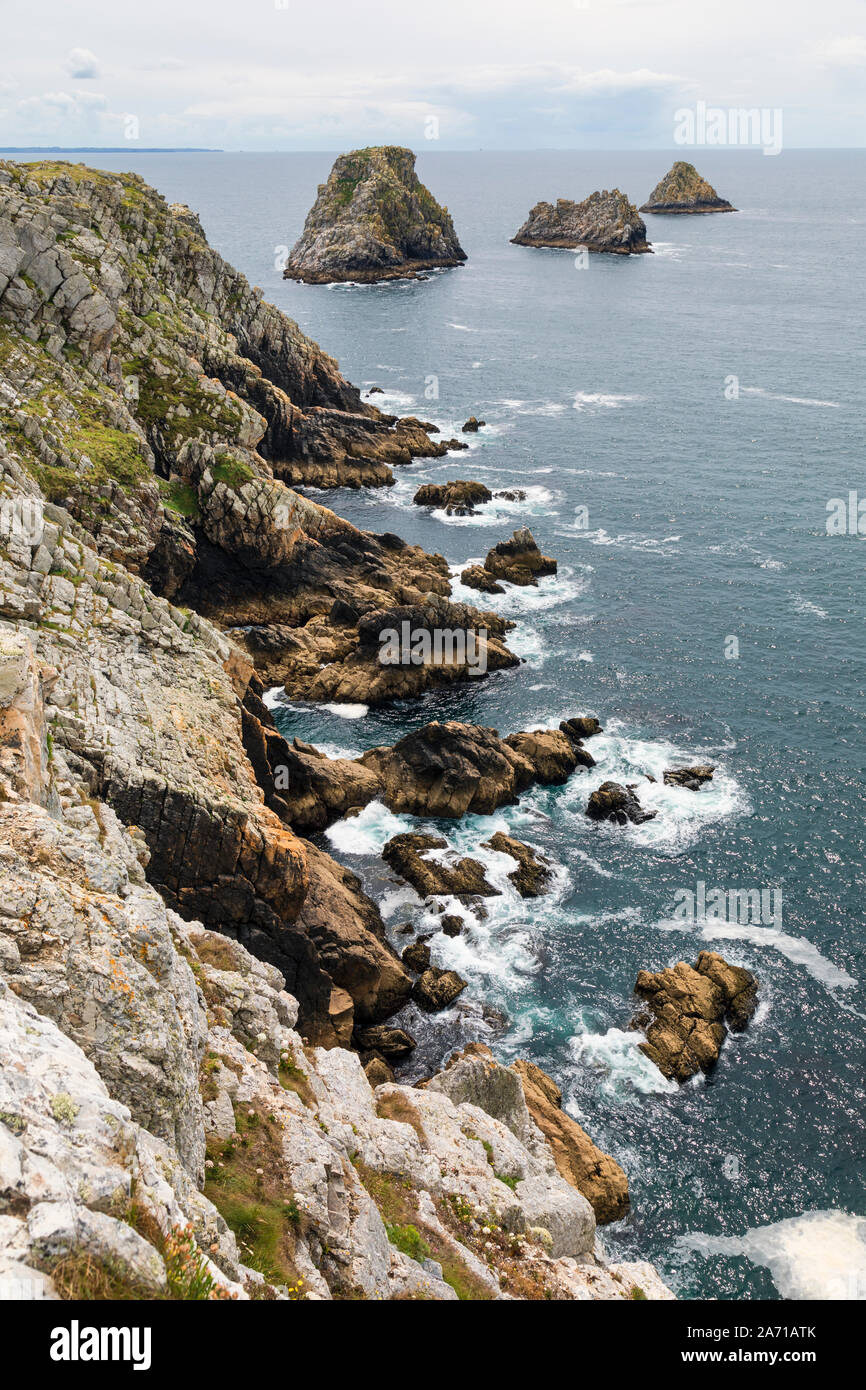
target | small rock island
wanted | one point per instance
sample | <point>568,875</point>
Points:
<point>683,190</point>
<point>373,220</point>
<point>604,221</point>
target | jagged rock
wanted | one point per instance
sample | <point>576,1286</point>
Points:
<point>683,190</point>
<point>452,925</point>
<point>594,1173</point>
<point>436,989</point>
<point>604,221</point>
<point>687,1006</point>
<point>473,425</point>
<point>519,560</point>
<point>582,726</point>
<point>532,876</point>
<point>462,493</point>
<point>448,770</point>
<point>416,956</point>
<point>551,753</point>
<point>691,777</point>
<point>377,1072</point>
<point>373,220</point>
<point>512,494</point>
<point>391,1042</point>
<point>619,804</point>
<point>409,856</point>
<point>477,577</point>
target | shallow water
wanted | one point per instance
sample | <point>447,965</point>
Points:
<point>604,388</point>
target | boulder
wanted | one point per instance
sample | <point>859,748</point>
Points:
<point>532,875</point>
<point>463,493</point>
<point>691,777</point>
<point>618,804</point>
<point>685,1011</point>
<point>436,989</point>
<point>472,425</point>
<point>417,956</point>
<point>387,1040</point>
<point>551,752</point>
<point>477,577</point>
<point>408,855</point>
<point>519,560</point>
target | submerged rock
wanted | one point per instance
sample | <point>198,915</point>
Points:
<point>373,220</point>
<point>619,804</point>
<point>687,1007</point>
<point>683,190</point>
<point>604,221</point>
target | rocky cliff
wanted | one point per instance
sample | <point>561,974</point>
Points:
<point>604,221</point>
<point>182,972</point>
<point>683,190</point>
<point>373,220</point>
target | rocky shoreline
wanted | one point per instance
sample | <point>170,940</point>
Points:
<point>208,988</point>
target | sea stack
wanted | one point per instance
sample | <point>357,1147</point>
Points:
<point>373,220</point>
<point>683,190</point>
<point>604,221</point>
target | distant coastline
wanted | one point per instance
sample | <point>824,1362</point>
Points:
<point>106,149</point>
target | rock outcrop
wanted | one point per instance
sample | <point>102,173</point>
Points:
<point>612,802</point>
<point>683,190</point>
<point>533,874</point>
<point>373,220</point>
<point>691,777</point>
<point>450,769</point>
<point>687,1008</point>
<point>410,857</point>
<point>604,221</point>
<point>460,497</point>
<point>594,1173</point>
<point>517,561</point>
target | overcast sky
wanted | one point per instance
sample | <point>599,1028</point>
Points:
<point>496,74</point>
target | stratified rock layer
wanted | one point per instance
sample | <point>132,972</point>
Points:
<point>604,221</point>
<point>373,220</point>
<point>683,190</point>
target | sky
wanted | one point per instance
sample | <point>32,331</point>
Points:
<point>453,74</point>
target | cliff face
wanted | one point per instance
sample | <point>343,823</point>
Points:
<point>373,220</point>
<point>683,190</point>
<point>164,927</point>
<point>604,221</point>
<point>142,383</point>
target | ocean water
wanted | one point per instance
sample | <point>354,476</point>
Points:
<point>611,388</point>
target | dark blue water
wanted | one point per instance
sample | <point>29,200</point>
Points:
<point>605,388</point>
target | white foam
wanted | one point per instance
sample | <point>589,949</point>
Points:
<point>600,400</point>
<point>348,711</point>
<point>805,605</point>
<point>819,1255</point>
<point>617,1056</point>
<point>797,949</point>
<point>273,698</point>
<point>790,400</point>
<point>368,832</point>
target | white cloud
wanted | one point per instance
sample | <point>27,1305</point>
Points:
<point>849,52</point>
<point>81,63</point>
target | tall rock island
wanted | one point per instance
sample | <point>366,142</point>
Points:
<point>683,190</point>
<point>374,220</point>
<point>604,221</point>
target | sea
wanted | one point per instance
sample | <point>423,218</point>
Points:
<point>687,427</point>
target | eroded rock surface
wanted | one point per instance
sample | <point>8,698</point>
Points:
<point>683,190</point>
<point>604,221</point>
<point>687,1008</point>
